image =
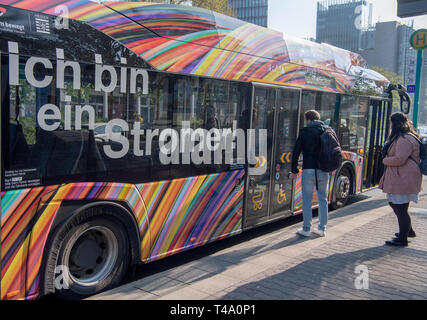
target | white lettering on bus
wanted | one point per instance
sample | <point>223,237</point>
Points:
<point>123,76</point>
<point>151,134</point>
<point>79,113</point>
<point>262,146</point>
<point>213,144</point>
<point>196,146</point>
<point>136,132</point>
<point>199,135</point>
<point>134,73</point>
<point>99,70</point>
<point>238,141</point>
<point>61,21</point>
<point>117,137</point>
<point>169,150</point>
<point>67,118</point>
<point>29,72</point>
<point>186,142</point>
<point>61,65</point>
<point>53,116</point>
<point>13,63</point>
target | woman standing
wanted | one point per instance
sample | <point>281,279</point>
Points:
<point>402,176</point>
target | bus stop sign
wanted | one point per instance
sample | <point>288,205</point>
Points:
<point>410,89</point>
<point>419,39</point>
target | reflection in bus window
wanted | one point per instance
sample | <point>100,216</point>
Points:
<point>352,123</point>
<point>79,139</point>
<point>322,102</point>
<point>186,94</point>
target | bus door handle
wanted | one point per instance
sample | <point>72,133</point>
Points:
<point>252,183</point>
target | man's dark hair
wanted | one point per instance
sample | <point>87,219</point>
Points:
<point>312,115</point>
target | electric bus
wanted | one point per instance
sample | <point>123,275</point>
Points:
<point>131,131</point>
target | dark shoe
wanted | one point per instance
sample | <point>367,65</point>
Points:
<point>397,243</point>
<point>397,239</point>
<point>410,234</point>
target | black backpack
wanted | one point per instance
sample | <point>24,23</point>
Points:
<point>423,156</point>
<point>330,155</point>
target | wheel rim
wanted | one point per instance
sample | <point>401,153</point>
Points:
<point>342,188</point>
<point>91,257</point>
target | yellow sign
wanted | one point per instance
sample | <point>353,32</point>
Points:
<point>263,162</point>
<point>287,157</point>
<point>418,39</point>
<point>281,196</point>
<point>257,199</point>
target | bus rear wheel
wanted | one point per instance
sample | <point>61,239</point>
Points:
<point>342,189</point>
<point>92,256</point>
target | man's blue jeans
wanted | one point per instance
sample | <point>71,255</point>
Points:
<point>308,186</point>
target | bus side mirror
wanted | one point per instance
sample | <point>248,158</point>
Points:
<point>405,102</point>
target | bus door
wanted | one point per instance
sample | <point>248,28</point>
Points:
<point>282,186</point>
<point>269,195</point>
<point>379,112</point>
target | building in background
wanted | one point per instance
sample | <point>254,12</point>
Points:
<point>253,11</point>
<point>367,40</point>
<point>348,24</point>
<point>341,22</point>
<point>387,47</point>
<point>391,51</point>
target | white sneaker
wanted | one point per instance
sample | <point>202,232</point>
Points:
<point>304,233</point>
<point>320,233</point>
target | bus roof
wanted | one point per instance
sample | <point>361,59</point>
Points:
<point>197,41</point>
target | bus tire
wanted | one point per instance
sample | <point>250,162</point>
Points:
<point>89,254</point>
<point>342,188</point>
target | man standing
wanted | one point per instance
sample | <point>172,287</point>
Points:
<point>308,143</point>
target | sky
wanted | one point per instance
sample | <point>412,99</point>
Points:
<point>298,17</point>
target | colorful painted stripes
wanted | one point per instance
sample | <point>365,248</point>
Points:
<point>18,211</point>
<point>172,216</point>
<point>196,41</point>
<point>184,213</point>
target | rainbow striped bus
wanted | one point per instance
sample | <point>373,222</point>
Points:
<point>105,107</point>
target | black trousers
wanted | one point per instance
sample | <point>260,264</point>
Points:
<point>404,220</point>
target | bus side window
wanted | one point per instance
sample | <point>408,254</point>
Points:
<point>19,150</point>
<point>21,125</point>
<point>352,123</point>
<point>323,103</point>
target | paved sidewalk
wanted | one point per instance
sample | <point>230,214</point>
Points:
<point>282,265</point>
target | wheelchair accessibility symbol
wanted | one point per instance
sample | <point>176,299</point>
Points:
<point>281,196</point>
<point>257,199</point>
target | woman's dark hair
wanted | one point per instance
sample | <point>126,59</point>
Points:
<point>400,125</point>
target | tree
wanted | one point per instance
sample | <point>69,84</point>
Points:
<point>174,1</point>
<point>393,78</point>
<point>221,6</point>
<point>366,87</point>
